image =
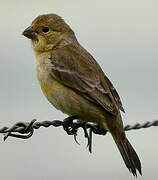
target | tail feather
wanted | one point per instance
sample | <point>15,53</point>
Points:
<point>129,155</point>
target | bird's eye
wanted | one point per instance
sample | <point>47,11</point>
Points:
<point>45,29</point>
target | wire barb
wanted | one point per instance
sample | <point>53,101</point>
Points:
<point>20,127</point>
<point>25,130</point>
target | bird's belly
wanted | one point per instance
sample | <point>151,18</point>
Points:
<point>69,102</point>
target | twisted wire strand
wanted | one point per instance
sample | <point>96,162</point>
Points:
<point>25,130</point>
<point>23,127</point>
<point>140,126</point>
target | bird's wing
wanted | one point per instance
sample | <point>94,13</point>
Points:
<point>77,69</point>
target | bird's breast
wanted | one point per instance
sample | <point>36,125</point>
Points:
<point>64,98</point>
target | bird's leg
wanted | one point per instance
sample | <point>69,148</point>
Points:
<point>97,129</point>
<point>71,128</point>
<point>88,135</point>
<point>89,145</point>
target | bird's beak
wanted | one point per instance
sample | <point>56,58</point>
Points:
<point>29,33</point>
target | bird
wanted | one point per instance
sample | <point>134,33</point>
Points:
<point>74,83</point>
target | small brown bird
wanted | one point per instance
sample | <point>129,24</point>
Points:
<point>74,83</point>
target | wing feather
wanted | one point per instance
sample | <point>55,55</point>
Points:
<point>81,73</point>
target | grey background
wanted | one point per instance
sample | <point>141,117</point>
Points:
<point>122,36</point>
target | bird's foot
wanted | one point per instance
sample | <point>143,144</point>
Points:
<point>69,126</point>
<point>72,127</point>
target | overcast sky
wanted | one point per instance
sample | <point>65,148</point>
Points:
<point>122,37</point>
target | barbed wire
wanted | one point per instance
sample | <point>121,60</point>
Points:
<point>25,130</point>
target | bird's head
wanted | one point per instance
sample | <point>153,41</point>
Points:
<point>46,31</point>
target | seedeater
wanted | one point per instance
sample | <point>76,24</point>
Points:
<point>74,83</point>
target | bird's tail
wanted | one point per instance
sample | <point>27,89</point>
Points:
<point>128,154</point>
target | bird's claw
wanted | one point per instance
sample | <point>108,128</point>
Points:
<point>69,126</point>
<point>87,135</point>
<point>71,129</point>
<point>75,138</point>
